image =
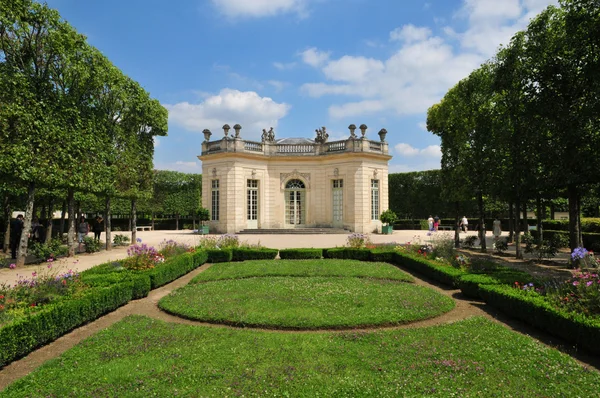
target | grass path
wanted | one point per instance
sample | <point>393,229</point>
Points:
<point>464,308</point>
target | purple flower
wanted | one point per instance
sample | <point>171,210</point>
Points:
<point>589,283</point>
<point>139,240</point>
<point>579,253</point>
<point>13,266</point>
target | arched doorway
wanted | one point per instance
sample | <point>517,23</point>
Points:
<point>295,203</point>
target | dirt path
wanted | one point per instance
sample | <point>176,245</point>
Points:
<point>464,308</point>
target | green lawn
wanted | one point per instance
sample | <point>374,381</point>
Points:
<point>141,357</point>
<point>306,303</point>
<point>350,268</point>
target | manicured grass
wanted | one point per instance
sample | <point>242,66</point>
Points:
<point>141,357</point>
<point>306,303</point>
<point>352,268</point>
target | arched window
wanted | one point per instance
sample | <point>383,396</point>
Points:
<point>294,184</point>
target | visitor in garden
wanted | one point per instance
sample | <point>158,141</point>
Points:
<point>436,223</point>
<point>16,229</point>
<point>464,224</point>
<point>98,228</point>
<point>430,223</point>
<point>83,228</point>
<point>496,228</point>
<point>36,229</point>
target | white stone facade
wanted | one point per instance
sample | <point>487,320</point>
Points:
<point>294,183</point>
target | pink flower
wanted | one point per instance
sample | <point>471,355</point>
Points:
<point>34,274</point>
<point>575,283</point>
<point>13,266</point>
<point>589,283</point>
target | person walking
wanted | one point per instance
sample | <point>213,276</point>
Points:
<point>496,228</point>
<point>436,223</point>
<point>430,223</point>
<point>83,228</point>
<point>464,224</point>
<point>98,228</point>
<point>16,230</point>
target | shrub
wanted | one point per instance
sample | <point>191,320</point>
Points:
<point>91,245</point>
<point>443,246</point>
<point>142,257</point>
<point>120,240</point>
<point>300,254</point>
<point>357,240</point>
<point>50,250</point>
<point>441,273</point>
<point>385,255</point>
<point>228,241</point>
<point>500,245</point>
<point>350,253</point>
<point>140,282</point>
<point>246,253</point>
<point>388,217</point>
<point>219,255</point>
<point>170,248</point>
<point>469,242</point>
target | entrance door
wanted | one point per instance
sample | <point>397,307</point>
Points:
<point>252,204</point>
<point>338,203</point>
<point>295,206</point>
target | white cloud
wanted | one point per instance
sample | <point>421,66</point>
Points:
<point>260,8</point>
<point>283,66</point>
<point>277,85</point>
<point>407,150</point>
<point>314,57</point>
<point>410,33</point>
<point>250,110</point>
<point>424,66</point>
<point>156,142</point>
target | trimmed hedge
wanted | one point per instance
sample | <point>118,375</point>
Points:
<point>219,255</point>
<point>469,284</point>
<point>300,254</point>
<point>349,253</point>
<point>591,240</point>
<point>244,253</point>
<point>534,310</point>
<point>22,336</point>
<point>141,284</point>
<point>441,273</point>
<point>382,255</point>
<point>171,269</point>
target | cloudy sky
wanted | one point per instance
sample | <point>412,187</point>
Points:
<point>298,65</point>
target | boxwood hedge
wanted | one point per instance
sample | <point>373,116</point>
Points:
<point>245,253</point>
<point>300,254</point>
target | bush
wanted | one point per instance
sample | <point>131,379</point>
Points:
<point>50,250</point>
<point>228,241</point>
<point>469,242</point>
<point>23,335</point>
<point>91,245</point>
<point>120,240</point>
<point>219,255</point>
<point>500,245</point>
<point>171,269</point>
<point>170,248</point>
<point>382,255</point>
<point>442,273</point>
<point>142,257</point>
<point>300,254</point>
<point>141,284</point>
<point>535,310</point>
<point>357,240</point>
<point>349,253</point>
<point>246,253</point>
<point>388,217</point>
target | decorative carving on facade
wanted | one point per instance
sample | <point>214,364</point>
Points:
<point>322,135</point>
<point>375,172</point>
<point>214,172</point>
<point>268,136</point>
<point>283,177</point>
<point>253,174</point>
<point>336,172</point>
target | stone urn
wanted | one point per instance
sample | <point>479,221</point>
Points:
<point>363,130</point>
<point>207,134</point>
<point>237,129</point>
<point>352,128</point>
<point>226,129</point>
<point>382,133</point>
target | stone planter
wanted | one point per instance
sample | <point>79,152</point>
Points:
<point>387,229</point>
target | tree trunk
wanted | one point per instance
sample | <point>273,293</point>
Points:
<point>63,211</point>
<point>71,222</point>
<point>518,229</point>
<point>107,224</point>
<point>540,216</point>
<point>525,223</point>
<point>481,222</point>
<point>152,220</point>
<point>49,221</point>
<point>22,252</point>
<point>133,221</point>
<point>574,226</point>
<point>177,221</point>
<point>511,222</point>
<point>7,217</point>
<point>456,225</point>
<point>552,210</point>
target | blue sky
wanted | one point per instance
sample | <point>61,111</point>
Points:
<point>298,65</point>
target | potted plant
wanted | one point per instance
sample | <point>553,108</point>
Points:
<point>387,218</point>
<point>203,216</point>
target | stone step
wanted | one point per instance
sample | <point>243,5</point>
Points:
<point>294,231</point>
